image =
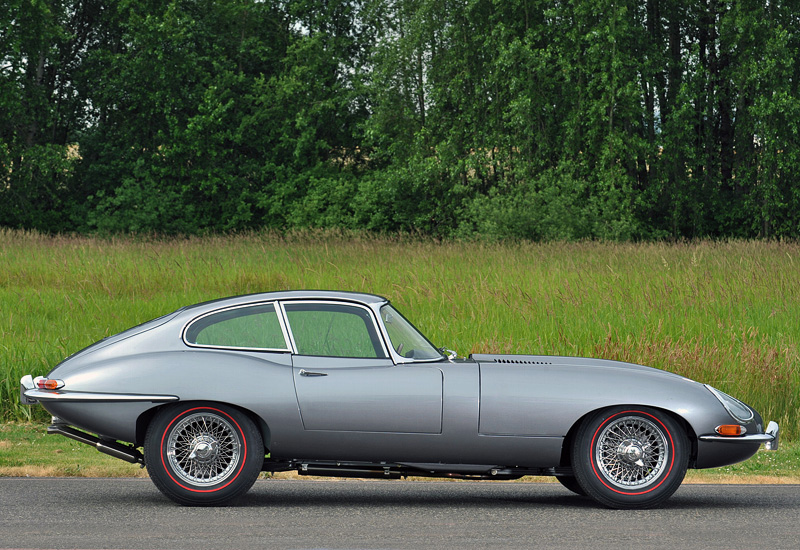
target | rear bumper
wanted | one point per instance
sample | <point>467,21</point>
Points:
<point>30,394</point>
<point>770,438</point>
<point>26,384</point>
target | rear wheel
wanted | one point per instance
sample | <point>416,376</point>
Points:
<point>203,454</point>
<point>630,457</point>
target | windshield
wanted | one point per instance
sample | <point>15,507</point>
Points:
<point>405,339</point>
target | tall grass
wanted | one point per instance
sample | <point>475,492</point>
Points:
<point>719,312</point>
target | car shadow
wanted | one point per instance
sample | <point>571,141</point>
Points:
<point>449,494</point>
<point>380,494</point>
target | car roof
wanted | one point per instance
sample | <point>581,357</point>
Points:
<point>287,295</point>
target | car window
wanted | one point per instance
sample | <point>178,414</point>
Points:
<point>406,340</point>
<point>252,327</point>
<point>333,330</point>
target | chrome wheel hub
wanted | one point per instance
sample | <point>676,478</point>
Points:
<point>631,452</point>
<point>203,449</point>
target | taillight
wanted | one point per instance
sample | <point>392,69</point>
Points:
<point>50,384</point>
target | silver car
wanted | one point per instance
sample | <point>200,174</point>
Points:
<point>341,384</point>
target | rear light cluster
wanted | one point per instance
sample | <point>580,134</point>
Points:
<point>50,384</point>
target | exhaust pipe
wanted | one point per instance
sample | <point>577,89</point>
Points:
<point>111,448</point>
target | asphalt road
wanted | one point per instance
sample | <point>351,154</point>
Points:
<point>297,514</point>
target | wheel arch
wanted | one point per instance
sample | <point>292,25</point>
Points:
<point>144,420</point>
<point>569,438</point>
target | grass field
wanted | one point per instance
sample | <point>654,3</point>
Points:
<point>719,312</point>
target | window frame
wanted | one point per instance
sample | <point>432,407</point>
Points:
<point>279,313</point>
<point>397,357</point>
<point>371,315</point>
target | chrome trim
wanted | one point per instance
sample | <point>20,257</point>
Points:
<point>396,357</point>
<point>287,326</point>
<point>770,437</point>
<point>304,372</point>
<point>775,432</point>
<point>27,382</point>
<point>721,397</point>
<point>375,324</point>
<point>230,308</point>
<point>79,396</point>
<point>754,438</point>
<point>450,354</point>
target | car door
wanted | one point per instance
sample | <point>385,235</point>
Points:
<point>345,380</point>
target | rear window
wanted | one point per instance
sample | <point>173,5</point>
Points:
<point>249,327</point>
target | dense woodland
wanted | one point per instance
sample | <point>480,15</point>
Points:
<point>566,119</point>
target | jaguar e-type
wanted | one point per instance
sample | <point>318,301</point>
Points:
<point>341,384</point>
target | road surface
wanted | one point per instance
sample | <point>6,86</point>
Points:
<point>50,513</point>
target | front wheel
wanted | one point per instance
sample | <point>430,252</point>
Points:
<point>630,457</point>
<point>569,482</point>
<point>203,454</point>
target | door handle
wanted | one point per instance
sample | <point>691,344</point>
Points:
<point>304,372</point>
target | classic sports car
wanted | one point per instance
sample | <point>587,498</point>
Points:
<point>341,384</point>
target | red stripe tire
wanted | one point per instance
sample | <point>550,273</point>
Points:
<point>203,454</point>
<point>630,457</point>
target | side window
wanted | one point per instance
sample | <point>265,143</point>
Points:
<point>333,330</point>
<point>252,327</point>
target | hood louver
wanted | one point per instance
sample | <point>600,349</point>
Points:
<point>522,362</point>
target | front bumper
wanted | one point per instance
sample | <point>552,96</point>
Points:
<point>770,438</point>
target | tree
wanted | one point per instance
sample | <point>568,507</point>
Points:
<point>42,44</point>
<point>611,119</point>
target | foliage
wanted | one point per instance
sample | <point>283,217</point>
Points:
<point>609,119</point>
<point>723,313</point>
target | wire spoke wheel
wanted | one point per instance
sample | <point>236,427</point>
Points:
<point>631,452</point>
<point>203,454</point>
<point>630,457</point>
<point>203,449</point>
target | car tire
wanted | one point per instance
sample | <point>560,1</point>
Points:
<point>203,454</point>
<point>572,484</point>
<point>630,457</point>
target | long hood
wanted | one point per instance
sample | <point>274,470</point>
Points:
<point>539,395</point>
<point>559,361</point>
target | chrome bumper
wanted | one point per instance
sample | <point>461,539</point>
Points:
<point>770,438</point>
<point>27,383</point>
<point>30,394</point>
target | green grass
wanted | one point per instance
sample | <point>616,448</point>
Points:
<point>719,312</point>
<point>27,450</point>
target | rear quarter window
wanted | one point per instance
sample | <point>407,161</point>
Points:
<point>249,327</point>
